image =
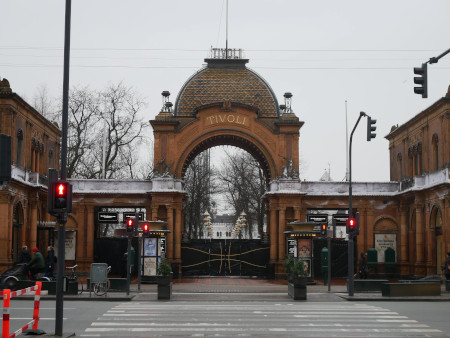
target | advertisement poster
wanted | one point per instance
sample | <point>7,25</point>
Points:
<point>162,245</point>
<point>70,243</point>
<point>292,247</point>
<point>308,266</point>
<point>149,266</point>
<point>304,248</point>
<point>150,246</point>
<point>384,241</point>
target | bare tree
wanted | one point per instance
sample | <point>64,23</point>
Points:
<point>199,186</point>
<point>45,104</point>
<point>83,124</point>
<point>242,180</point>
<point>104,126</point>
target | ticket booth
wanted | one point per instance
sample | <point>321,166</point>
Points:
<point>153,247</point>
<point>300,244</point>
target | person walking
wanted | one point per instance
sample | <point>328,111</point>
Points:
<point>37,264</point>
<point>447,267</point>
<point>363,269</point>
<point>25,255</point>
<point>50,262</point>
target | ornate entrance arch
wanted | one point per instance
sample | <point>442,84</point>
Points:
<point>224,104</point>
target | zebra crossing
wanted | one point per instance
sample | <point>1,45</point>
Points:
<point>257,318</point>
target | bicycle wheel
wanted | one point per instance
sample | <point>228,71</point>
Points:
<point>100,288</point>
<point>80,286</point>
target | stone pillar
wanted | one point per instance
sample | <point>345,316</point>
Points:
<point>370,224</point>
<point>273,234</point>
<point>33,225</point>
<point>170,227</point>
<point>429,242</point>
<point>90,233</point>
<point>82,231</point>
<point>419,234</point>
<point>5,229</point>
<point>364,225</point>
<point>297,213</point>
<point>281,235</point>
<point>38,159</point>
<point>446,222</point>
<point>178,231</point>
<point>33,158</point>
<point>403,250</point>
<point>154,213</point>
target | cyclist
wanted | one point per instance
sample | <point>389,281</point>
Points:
<point>37,264</point>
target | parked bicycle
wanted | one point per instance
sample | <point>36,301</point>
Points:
<point>101,288</point>
<point>73,275</point>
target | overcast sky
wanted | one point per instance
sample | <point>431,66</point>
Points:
<point>324,52</point>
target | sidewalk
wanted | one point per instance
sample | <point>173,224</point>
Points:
<point>241,289</point>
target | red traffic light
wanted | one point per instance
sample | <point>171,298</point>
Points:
<point>351,226</point>
<point>61,189</point>
<point>323,229</point>
<point>130,222</point>
<point>146,227</point>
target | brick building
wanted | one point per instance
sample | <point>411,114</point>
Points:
<point>227,103</point>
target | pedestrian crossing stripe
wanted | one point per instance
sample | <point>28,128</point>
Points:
<point>329,319</point>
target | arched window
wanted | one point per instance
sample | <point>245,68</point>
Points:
<point>411,162</point>
<point>399,167</point>
<point>17,225</point>
<point>435,152</point>
<point>19,148</point>
<point>415,161</point>
<point>436,218</point>
<point>420,159</point>
<point>50,159</point>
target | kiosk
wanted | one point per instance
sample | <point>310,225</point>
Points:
<point>153,247</point>
<point>299,243</point>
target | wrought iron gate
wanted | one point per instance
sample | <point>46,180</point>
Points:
<point>225,257</point>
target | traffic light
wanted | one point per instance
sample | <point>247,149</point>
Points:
<point>146,229</point>
<point>371,127</point>
<point>130,226</point>
<point>351,226</point>
<point>421,80</point>
<point>323,229</point>
<point>62,197</point>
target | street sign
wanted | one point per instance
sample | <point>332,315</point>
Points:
<point>322,218</point>
<point>340,219</point>
<point>108,217</point>
<point>131,214</point>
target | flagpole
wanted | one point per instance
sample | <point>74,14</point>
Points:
<point>226,40</point>
<point>346,143</point>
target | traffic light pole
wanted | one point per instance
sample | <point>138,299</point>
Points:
<point>329,262</point>
<point>139,261</point>
<point>62,217</point>
<point>128,263</point>
<point>350,214</point>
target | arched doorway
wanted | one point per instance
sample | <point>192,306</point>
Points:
<point>436,224</point>
<point>226,103</point>
<point>16,239</point>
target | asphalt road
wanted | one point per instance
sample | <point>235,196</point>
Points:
<point>145,318</point>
